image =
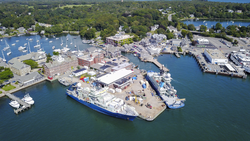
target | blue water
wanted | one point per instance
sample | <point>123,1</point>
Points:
<point>216,109</point>
<point>233,1</point>
<point>44,44</point>
<point>210,23</point>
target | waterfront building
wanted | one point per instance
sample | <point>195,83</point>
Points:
<point>30,78</point>
<point>202,41</point>
<point>21,30</point>
<point>176,42</point>
<point>118,79</point>
<point>118,39</point>
<point>18,67</point>
<point>60,65</point>
<point>90,59</point>
<point>215,57</point>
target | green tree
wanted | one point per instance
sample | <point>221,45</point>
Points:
<point>235,42</point>
<point>191,27</point>
<point>178,27</point>
<point>55,53</point>
<point>203,28</point>
<point>184,33</point>
<point>33,64</point>
<point>190,35</point>
<point>218,26</point>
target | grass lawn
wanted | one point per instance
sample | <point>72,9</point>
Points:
<point>97,34</point>
<point>1,92</point>
<point>8,87</point>
<point>71,6</point>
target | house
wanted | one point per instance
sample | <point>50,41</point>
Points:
<point>30,78</point>
<point>215,57</point>
<point>2,32</point>
<point>42,32</point>
<point>172,29</point>
<point>239,11</point>
<point>90,59</point>
<point>153,28</point>
<point>119,39</point>
<point>191,15</point>
<point>230,11</point>
<point>21,30</point>
<point>202,41</point>
<point>19,67</point>
<point>60,65</point>
<point>117,79</point>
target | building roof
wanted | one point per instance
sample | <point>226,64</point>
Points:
<point>215,54</point>
<point>32,75</point>
<point>91,49</point>
<point>2,64</point>
<point>83,69</point>
<point>17,64</point>
<point>123,65</point>
<point>57,63</point>
<point>114,76</point>
<point>119,37</point>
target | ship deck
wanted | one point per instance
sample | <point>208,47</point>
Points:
<point>145,113</point>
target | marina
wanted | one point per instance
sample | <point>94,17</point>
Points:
<point>24,104</point>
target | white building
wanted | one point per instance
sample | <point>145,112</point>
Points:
<point>79,72</point>
<point>202,41</point>
<point>153,28</point>
<point>215,57</point>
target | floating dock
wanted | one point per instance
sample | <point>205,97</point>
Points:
<point>19,110</point>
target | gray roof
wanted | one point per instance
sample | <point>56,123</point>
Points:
<point>2,64</point>
<point>91,49</point>
<point>32,75</point>
<point>16,64</point>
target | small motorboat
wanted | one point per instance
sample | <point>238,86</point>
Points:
<point>25,44</point>
<point>28,99</point>
<point>53,47</point>
<point>13,44</point>
<point>8,53</point>
<point>14,104</point>
<point>50,41</point>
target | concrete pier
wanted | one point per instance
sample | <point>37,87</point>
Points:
<point>24,104</point>
<point>159,65</point>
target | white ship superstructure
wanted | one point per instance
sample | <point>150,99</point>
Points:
<point>241,58</point>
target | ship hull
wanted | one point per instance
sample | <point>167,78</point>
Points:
<point>158,93</point>
<point>102,110</point>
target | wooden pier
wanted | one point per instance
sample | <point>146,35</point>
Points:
<point>24,104</point>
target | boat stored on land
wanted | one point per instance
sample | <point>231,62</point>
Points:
<point>98,99</point>
<point>63,82</point>
<point>161,84</point>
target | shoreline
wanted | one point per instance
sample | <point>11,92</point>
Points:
<point>216,19</point>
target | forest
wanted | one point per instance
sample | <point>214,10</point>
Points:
<point>106,17</point>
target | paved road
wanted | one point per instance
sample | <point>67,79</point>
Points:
<point>170,17</point>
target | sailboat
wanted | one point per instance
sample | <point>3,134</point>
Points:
<point>61,41</point>
<point>71,41</point>
<point>75,43</point>
<point>8,53</point>
<point>38,45</point>
<point>3,57</point>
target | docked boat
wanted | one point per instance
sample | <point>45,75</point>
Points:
<point>160,82</point>
<point>65,49</point>
<point>241,59</point>
<point>14,104</point>
<point>99,100</point>
<point>28,99</point>
<point>63,82</point>
<point>57,50</point>
<point>25,50</point>
<point>9,53</point>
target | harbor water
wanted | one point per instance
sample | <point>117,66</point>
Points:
<point>211,23</point>
<point>216,109</point>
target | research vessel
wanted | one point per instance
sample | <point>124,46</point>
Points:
<point>160,82</point>
<point>100,100</point>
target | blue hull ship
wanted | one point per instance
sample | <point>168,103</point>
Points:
<point>101,101</point>
<point>160,82</point>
